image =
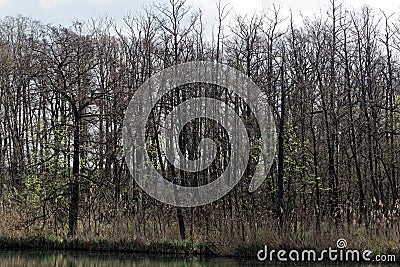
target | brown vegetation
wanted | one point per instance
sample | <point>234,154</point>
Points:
<point>333,85</point>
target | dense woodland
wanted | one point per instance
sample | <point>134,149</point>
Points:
<point>333,84</point>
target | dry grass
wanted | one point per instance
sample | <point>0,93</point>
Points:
<point>225,236</point>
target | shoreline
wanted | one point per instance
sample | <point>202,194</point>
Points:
<point>165,248</point>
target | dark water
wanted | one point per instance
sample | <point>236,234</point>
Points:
<point>80,259</point>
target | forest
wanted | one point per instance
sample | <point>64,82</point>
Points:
<point>333,84</point>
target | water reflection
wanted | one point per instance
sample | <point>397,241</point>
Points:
<point>92,259</point>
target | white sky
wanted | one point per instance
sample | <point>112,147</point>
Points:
<point>64,11</point>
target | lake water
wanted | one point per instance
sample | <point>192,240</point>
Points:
<point>92,259</point>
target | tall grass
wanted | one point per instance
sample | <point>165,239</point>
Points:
<point>231,236</point>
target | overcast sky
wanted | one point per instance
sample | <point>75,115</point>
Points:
<point>64,11</point>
